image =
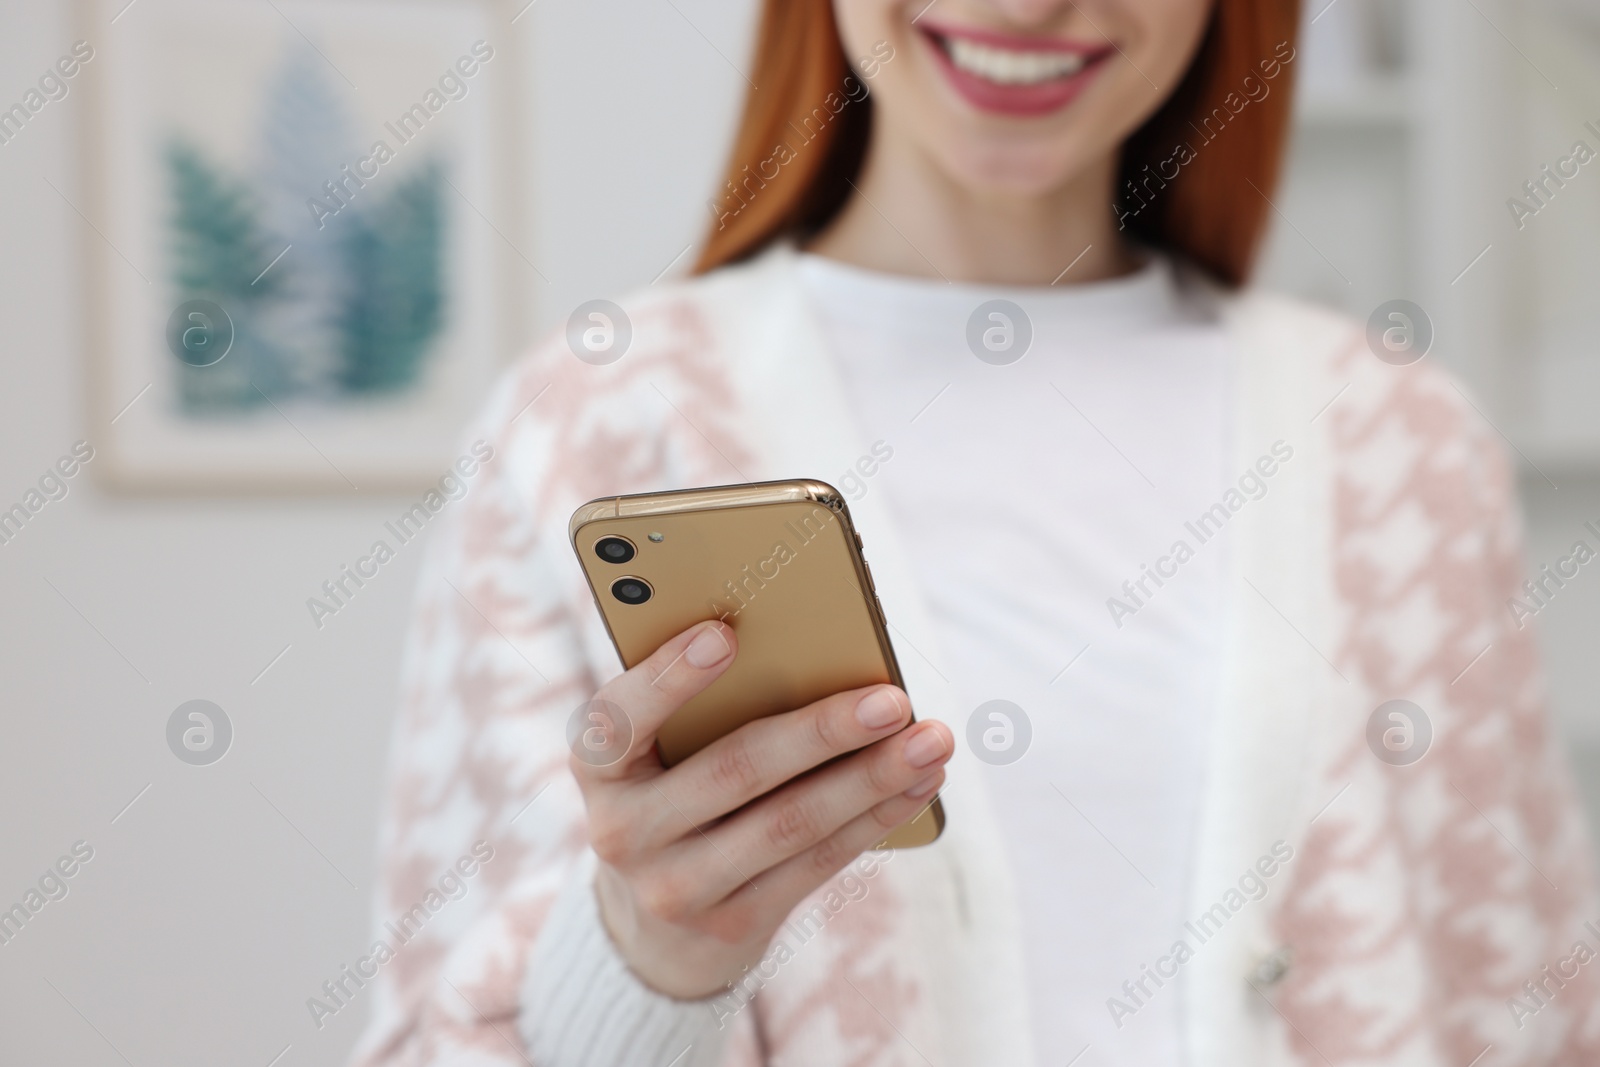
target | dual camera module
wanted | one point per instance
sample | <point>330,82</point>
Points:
<point>619,550</point>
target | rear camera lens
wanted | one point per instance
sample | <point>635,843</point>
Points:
<point>614,549</point>
<point>631,590</point>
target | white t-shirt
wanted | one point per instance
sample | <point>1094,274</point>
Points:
<point>1027,494</point>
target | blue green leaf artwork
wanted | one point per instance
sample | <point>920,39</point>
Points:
<point>336,284</point>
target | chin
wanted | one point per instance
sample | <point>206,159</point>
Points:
<point>1010,169</point>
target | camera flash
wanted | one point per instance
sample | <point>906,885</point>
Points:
<point>657,538</point>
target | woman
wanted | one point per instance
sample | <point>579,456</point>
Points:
<point>1194,539</point>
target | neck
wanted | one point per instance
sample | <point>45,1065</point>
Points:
<point>907,217</point>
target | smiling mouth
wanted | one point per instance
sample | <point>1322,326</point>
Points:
<point>1014,74</point>
<point>1005,66</point>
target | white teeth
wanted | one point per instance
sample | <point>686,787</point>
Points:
<point>1007,67</point>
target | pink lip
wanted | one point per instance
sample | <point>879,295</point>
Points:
<point>1021,101</point>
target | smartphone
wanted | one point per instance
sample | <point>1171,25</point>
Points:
<point>779,562</point>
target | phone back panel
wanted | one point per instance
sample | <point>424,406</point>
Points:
<point>782,576</point>
<point>786,576</point>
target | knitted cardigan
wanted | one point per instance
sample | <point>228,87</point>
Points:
<point>1430,914</point>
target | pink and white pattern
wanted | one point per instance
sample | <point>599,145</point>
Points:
<point>1421,900</point>
<point>1427,895</point>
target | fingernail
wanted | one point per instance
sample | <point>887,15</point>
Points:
<point>708,649</point>
<point>878,709</point>
<point>925,748</point>
<point>925,788</point>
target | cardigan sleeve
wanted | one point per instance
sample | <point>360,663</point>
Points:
<point>1437,906</point>
<point>475,967</point>
<point>478,760</point>
<point>1515,784</point>
<point>583,1007</point>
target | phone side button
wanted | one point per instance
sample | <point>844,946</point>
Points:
<point>878,604</point>
<point>871,584</point>
<point>860,545</point>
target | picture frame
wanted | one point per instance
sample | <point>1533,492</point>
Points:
<point>305,247</point>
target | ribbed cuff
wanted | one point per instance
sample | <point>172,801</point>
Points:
<point>583,1007</point>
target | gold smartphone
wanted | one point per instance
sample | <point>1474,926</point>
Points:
<point>779,562</point>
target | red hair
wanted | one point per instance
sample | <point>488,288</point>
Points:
<point>1210,208</point>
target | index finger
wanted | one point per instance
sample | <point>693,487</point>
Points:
<point>650,691</point>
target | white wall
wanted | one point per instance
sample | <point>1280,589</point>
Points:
<point>1569,625</point>
<point>219,901</point>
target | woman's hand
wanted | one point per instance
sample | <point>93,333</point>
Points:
<point>700,864</point>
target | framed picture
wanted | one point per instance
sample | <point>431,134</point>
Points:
<point>301,238</point>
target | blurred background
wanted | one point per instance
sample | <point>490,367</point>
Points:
<point>574,161</point>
